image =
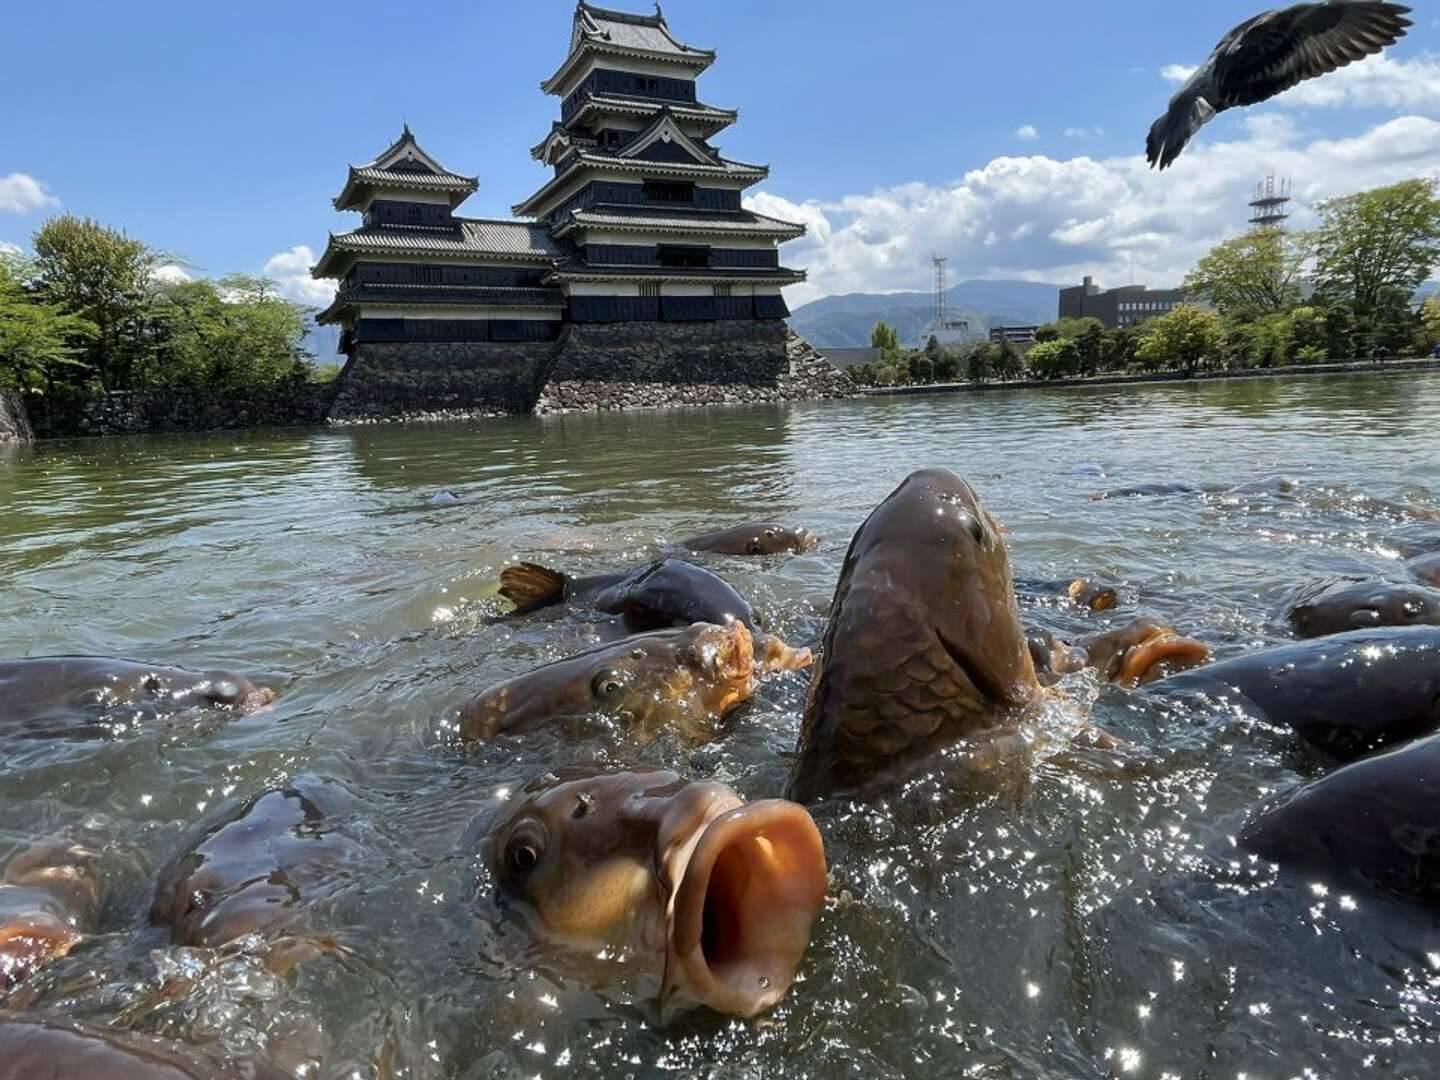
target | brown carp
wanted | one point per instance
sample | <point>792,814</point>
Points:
<point>924,647</point>
<point>255,866</point>
<point>49,898</point>
<point>66,694</point>
<point>42,1048</point>
<point>715,896</point>
<point>754,538</point>
<point>1142,651</point>
<point>686,679</point>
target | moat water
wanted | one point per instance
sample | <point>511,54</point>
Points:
<point>1096,927</point>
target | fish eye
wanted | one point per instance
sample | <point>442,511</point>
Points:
<point>522,856</point>
<point>976,528</point>
<point>607,684</point>
<point>770,534</point>
<point>584,803</point>
<point>525,849</point>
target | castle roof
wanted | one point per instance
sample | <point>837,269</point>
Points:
<point>651,220</point>
<point>403,165</point>
<point>626,35</point>
<point>509,241</point>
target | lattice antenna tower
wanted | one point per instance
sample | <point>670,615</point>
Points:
<point>939,261</point>
<point>1270,208</point>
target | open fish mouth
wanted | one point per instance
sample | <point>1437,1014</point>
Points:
<point>749,892</point>
<point>1162,652</point>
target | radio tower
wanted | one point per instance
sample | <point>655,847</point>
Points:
<point>1269,208</point>
<point>939,261</point>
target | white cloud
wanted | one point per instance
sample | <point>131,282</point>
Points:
<point>21,193</point>
<point>291,271</point>
<point>169,274</point>
<point>1084,132</point>
<point>1027,132</point>
<point>1042,219</point>
<point>1379,81</point>
<point>7,248</point>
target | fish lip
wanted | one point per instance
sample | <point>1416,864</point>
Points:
<point>759,870</point>
<point>1161,644</point>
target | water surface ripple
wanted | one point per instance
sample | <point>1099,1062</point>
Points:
<point>1074,924</point>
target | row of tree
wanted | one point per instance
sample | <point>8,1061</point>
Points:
<point>90,312</point>
<point>1267,298</point>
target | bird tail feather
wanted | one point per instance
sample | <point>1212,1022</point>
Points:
<point>1178,126</point>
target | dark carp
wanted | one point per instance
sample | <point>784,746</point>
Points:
<point>663,594</point>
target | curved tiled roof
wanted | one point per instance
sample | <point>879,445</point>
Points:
<point>624,30</point>
<point>645,219</point>
<point>627,34</point>
<point>505,240</point>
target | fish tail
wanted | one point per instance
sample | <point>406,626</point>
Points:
<point>530,587</point>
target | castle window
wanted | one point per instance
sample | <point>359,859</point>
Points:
<point>669,191</point>
<point>412,215</point>
<point>650,288</point>
<point>682,257</point>
<point>724,290</point>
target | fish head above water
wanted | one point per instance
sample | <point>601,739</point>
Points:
<point>756,538</point>
<point>716,895</point>
<point>689,677</point>
<point>924,646</point>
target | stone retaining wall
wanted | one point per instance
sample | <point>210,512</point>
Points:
<point>591,367</point>
<point>14,420</point>
<point>654,365</point>
<point>384,381</point>
<point>161,411</point>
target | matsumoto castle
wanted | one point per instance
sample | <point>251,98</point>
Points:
<point>639,223</point>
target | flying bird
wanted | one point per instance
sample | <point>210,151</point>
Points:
<point>1269,54</point>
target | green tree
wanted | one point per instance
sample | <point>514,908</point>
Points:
<point>980,365</point>
<point>1430,321</point>
<point>39,344</point>
<point>102,276</point>
<point>922,368</point>
<point>1252,275</point>
<point>932,349</point>
<point>1378,245</point>
<point>1048,332</point>
<point>1009,364</point>
<point>884,338</point>
<point>1340,332</point>
<point>1186,335</point>
<point>947,366</point>
<point>1118,350</point>
<point>1054,359</point>
<point>231,334</point>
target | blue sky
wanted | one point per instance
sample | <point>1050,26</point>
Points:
<point>221,131</point>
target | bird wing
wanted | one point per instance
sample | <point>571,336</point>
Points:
<point>1275,51</point>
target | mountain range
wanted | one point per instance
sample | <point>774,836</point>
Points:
<point>846,321</point>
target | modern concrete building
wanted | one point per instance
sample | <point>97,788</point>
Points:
<point>1023,336</point>
<point>1125,306</point>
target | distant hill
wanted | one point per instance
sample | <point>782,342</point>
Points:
<point>323,342</point>
<point>845,321</point>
